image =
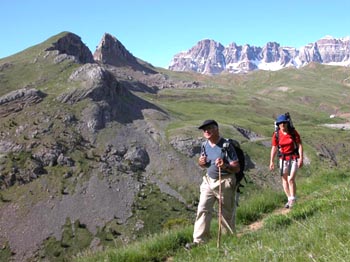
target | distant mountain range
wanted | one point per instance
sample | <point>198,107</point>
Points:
<point>211,57</point>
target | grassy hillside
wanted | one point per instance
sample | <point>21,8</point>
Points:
<point>253,101</point>
<point>33,67</point>
<point>316,229</point>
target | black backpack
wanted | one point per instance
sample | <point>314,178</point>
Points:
<point>241,159</point>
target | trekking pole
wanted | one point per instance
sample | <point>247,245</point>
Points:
<point>220,214</point>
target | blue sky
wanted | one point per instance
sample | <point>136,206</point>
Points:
<point>156,30</point>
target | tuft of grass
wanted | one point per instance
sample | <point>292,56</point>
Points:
<point>260,202</point>
<point>155,248</point>
<point>74,237</point>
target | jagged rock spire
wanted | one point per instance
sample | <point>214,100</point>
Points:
<point>111,51</point>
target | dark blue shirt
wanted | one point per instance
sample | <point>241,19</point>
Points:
<point>215,152</point>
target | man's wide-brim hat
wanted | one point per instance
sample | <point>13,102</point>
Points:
<point>208,123</point>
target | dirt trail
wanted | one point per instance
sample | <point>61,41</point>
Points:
<point>259,224</point>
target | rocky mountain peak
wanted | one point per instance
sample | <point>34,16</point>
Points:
<point>71,44</point>
<point>111,51</point>
<point>205,57</point>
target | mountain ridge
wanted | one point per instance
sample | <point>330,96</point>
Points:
<point>211,57</point>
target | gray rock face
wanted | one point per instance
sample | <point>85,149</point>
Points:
<point>72,45</point>
<point>210,57</point>
<point>96,83</point>
<point>333,50</point>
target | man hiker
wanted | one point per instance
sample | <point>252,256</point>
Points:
<point>219,159</point>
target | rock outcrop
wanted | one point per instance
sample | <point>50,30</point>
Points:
<point>17,100</point>
<point>72,45</point>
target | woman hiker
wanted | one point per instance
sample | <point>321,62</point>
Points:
<point>286,141</point>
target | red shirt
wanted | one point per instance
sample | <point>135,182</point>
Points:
<point>286,143</point>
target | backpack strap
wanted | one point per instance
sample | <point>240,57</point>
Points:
<point>295,151</point>
<point>231,146</point>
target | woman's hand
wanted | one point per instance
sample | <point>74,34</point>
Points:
<point>300,162</point>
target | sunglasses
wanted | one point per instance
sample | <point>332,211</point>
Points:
<point>207,128</point>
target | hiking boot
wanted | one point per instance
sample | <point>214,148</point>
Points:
<point>291,203</point>
<point>189,246</point>
<point>287,205</point>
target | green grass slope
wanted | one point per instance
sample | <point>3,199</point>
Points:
<point>316,229</point>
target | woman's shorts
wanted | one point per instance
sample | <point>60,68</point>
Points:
<point>289,166</point>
